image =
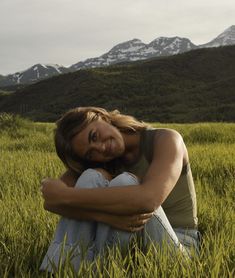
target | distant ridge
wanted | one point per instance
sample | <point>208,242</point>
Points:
<point>33,74</point>
<point>133,50</point>
<point>225,38</point>
<point>195,86</point>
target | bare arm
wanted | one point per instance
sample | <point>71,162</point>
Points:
<point>69,178</point>
<point>130,223</point>
<point>160,179</point>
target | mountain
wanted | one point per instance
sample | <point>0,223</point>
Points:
<point>168,46</point>
<point>32,74</point>
<point>1,77</point>
<point>135,50</point>
<point>194,86</point>
<point>128,51</point>
<point>225,38</point>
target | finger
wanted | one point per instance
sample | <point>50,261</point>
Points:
<point>45,179</point>
<point>143,222</point>
<point>138,219</point>
<point>136,229</point>
<point>138,223</point>
<point>145,215</point>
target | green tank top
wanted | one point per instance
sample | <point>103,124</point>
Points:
<point>180,206</point>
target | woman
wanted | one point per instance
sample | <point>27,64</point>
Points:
<point>123,179</point>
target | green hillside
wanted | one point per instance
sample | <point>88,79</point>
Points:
<point>190,87</point>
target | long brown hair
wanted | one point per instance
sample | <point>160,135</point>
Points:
<point>75,120</point>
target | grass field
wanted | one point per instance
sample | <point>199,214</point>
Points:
<point>27,155</point>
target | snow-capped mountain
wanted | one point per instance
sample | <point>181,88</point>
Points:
<point>170,46</point>
<point>135,49</point>
<point>32,74</point>
<point>125,51</point>
<point>128,51</point>
<point>225,38</point>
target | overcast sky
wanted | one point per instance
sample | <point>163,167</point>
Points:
<point>67,31</point>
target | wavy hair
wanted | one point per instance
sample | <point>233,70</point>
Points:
<point>75,120</point>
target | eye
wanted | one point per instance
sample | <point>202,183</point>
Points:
<point>94,136</point>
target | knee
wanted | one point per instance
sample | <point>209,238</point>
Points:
<point>91,178</point>
<point>123,179</point>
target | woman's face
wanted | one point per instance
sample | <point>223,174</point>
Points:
<point>99,142</point>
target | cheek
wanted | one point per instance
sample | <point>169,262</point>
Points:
<point>121,140</point>
<point>120,144</point>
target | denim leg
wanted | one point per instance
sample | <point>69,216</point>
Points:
<point>105,234</point>
<point>158,229</point>
<point>71,236</point>
<point>190,238</point>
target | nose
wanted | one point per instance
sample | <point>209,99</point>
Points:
<point>99,146</point>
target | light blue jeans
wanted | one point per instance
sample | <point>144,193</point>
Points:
<point>73,237</point>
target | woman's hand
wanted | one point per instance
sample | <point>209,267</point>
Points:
<point>53,191</point>
<point>129,223</point>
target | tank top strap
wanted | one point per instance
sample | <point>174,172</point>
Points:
<point>146,143</point>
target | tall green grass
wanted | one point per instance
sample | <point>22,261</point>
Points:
<point>27,155</point>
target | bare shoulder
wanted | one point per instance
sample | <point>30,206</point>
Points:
<point>167,134</point>
<point>169,140</point>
